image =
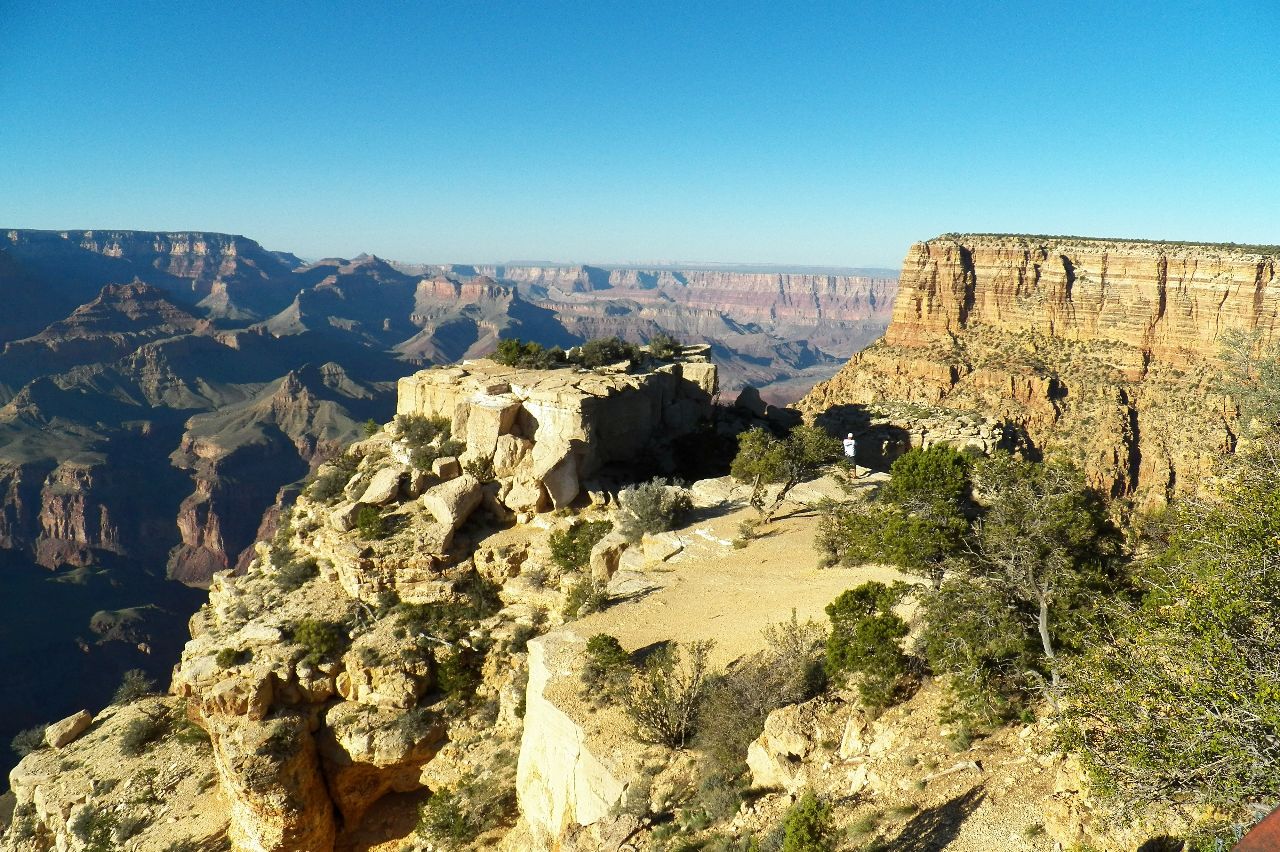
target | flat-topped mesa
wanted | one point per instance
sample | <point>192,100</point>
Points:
<point>1103,351</point>
<point>1160,298</point>
<point>546,432</point>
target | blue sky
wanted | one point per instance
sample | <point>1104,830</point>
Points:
<point>798,133</point>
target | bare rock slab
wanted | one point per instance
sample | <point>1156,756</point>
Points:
<point>67,730</point>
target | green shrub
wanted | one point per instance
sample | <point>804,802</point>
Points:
<point>418,430</point>
<point>481,468</point>
<point>95,829</point>
<point>323,641</point>
<point>512,352</point>
<point>456,674</point>
<point>973,633</point>
<point>939,473</point>
<point>864,641</point>
<point>571,548</point>
<point>134,684</point>
<point>585,597</point>
<point>369,523</point>
<point>651,507</point>
<point>453,620</point>
<point>296,573</point>
<point>140,733</point>
<point>371,427</point>
<point>918,521</point>
<point>605,352</point>
<point>416,723</point>
<point>738,702</point>
<point>808,826</point>
<point>666,699</point>
<point>228,657</point>
<point>664,347</point>
<point>608,666</point>
<point>460,815</point>
<point>27,741</point>
<point>331,478</point>
<point>763,460</point>
<point>1182,702</point>
<point>443,817</point>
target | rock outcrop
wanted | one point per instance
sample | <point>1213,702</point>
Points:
<point>1104,351</point>
<point>547,432</point>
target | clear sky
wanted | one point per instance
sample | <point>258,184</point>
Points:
<point>781,132</point>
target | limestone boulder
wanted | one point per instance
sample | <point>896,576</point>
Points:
<point>452,502</point>
<point>343,518</point>
<point>606,554</point>
<point>659,547</point>
<point>384,488</point>
<point>67,730</point>
<point>270,772</point>
<point>446,467</point>
<point>489,418</point>
<point>527,496</point>
<point>508,453</point>
<point>561,480</point>
<point>776,757</point>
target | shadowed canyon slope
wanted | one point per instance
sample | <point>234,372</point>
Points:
<point>1107,351</point>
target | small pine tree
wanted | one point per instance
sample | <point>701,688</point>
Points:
<point>808,827</point>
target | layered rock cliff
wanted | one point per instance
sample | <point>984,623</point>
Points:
<point>1105,351</point>
<point>775,330</point>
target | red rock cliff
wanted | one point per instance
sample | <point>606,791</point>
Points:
<point>1103,350</point>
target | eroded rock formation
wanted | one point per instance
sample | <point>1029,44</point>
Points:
<point>547,432</point>
<point>1101,350</point>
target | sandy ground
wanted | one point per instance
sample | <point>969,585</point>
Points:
<point>710,590</point>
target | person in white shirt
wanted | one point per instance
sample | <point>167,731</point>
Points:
<point>851,452</point>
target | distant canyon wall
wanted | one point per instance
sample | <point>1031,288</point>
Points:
<point>1105,351</point>
<point>781,332</point>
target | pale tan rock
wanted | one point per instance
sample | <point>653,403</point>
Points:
<point>559,780</point>
<point>606,555</point>
<point>854,740</point>
<point>776,757</point>
<point>509,453</point>
<point>446,467</point>
<point>452,502</point>
<point>271,774</point>
<point>65,731</point>
<point>367,755</point>
<point>343,518</point>
<point>659,547</point>
<point>488,418</point>
<point>384,488</point>
<point>526,496</point>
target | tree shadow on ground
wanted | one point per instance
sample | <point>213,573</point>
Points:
<point>933,828</point>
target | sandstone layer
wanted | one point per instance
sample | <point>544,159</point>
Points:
<point>1105,351</point>
<point>547,432</point>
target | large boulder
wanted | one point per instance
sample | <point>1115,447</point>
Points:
<point>508,454</point>
<point>776,757</point>
<point>489,418</point>
<point>452,502</point>
<point>446,467</point>
<point>60,733</point>
<point>384,488</point>
<point>343,518</point>
<point>606,555</point>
